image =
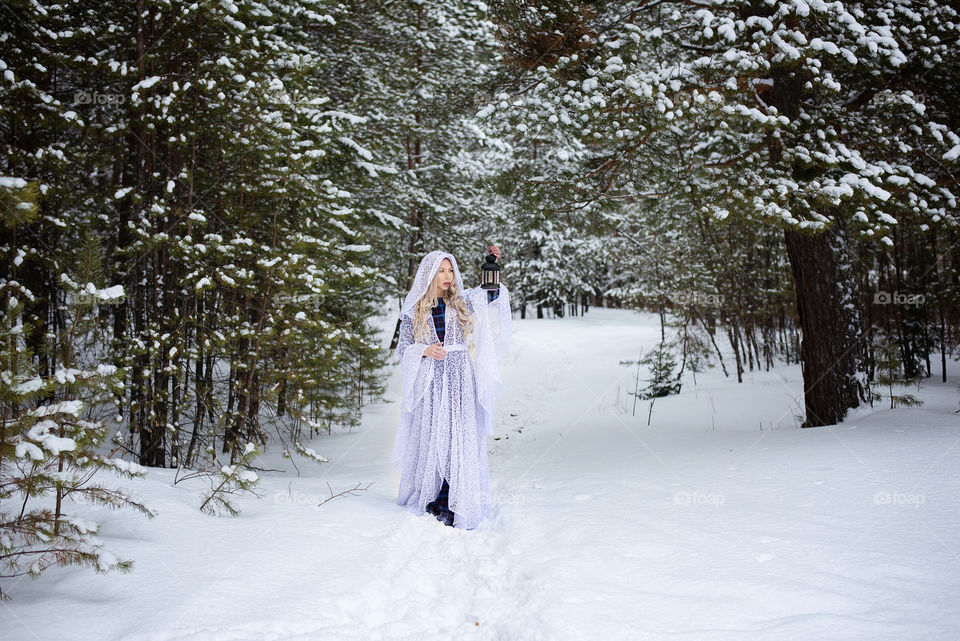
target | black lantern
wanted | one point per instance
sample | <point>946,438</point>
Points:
<point>490,273</point>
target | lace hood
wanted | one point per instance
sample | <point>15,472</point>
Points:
<point>429,265</point>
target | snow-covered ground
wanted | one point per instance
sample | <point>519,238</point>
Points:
<point>722,520</point>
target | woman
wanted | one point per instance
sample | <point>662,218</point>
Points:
<point>449,347</point>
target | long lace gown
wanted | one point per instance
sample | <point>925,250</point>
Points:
<point>447,410</point>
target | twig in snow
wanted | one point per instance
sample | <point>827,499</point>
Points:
<point>350,492</point>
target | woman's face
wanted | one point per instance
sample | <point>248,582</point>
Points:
<point>444,275</point>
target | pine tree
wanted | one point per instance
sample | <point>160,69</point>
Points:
<point>799,118</point>
<point>53,431</point>
<point>414,72</point>
<point>201,147</point>
<point>889,366</point>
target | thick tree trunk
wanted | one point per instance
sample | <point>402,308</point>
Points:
<point>832,352</point>
<point>832,347</point>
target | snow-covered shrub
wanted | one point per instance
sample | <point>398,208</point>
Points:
<point>49,442</point>
<point>232,479</point>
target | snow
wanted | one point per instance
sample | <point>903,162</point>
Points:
<point>110,293</point>
<point>365,153</point>
<point>821,45</point>
<point>11,182</point>
<point>129,467</point>
<point>864,185</point>
<point>26,448</point>
<point>720,521</point>
<point>29,386</point>
<point>63,407</point>
<point>146,83</point>
<point>40,433</point>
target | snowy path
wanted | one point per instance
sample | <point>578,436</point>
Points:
<point>701,526</point>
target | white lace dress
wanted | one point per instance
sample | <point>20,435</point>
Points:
<point>447,409</point>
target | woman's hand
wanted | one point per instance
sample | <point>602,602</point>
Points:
<point>435,351</point>
<point>493,249</point>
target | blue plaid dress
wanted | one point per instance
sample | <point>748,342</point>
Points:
<point>439,507</point>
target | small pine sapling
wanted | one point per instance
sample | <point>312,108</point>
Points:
<point>231,480</point>
<point>889,366</point>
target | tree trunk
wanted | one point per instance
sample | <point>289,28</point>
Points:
<point>832,347</point>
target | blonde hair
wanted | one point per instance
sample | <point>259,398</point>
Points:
<point>423,312</point>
